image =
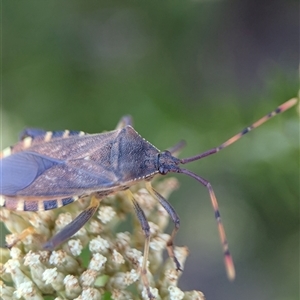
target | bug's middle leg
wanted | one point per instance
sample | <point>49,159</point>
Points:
<point>146,229</point>
<point>175,218</point>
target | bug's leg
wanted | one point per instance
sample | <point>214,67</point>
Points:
<point>146,229</point>
<point>74,226</point>
<point>125,120</point>
<point>176,149</point>
<point>28,231</point>
<point>175,218</point>
<point>227,256</point>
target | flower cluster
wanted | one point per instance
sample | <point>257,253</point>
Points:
<point>99,261</point>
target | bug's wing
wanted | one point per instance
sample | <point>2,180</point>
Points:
<point>75,146</point>
<point>61,167</point>
<point>30,174</point>
<point>72,178</point>
<point>20,170</point>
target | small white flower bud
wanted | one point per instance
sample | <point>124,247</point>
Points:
<point>55,278</point>
<point>73,288</point>
<point>75,247</point>
<point>175,293</point>
<point>97,262</point>
<point>105,214</point>
<point>88,277</point>
<point>99,245</point>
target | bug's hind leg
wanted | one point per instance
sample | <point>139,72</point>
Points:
<point>28,231</point>
<point>74,226</point>
<point>125,120</point>
<point>175,218</point>
<point>146,229</point>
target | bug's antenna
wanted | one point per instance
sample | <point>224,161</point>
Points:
<point>283,107</point>
<point>227,256</point>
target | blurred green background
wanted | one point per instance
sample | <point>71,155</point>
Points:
<point>198,70</point>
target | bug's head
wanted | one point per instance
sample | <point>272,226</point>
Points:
<point>168,163</point>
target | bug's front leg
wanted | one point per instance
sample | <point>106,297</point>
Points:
<point>229,265</point>
<point>175,218</point>
<point>74,226</point>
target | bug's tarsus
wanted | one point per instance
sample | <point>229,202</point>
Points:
<point>74,226</point>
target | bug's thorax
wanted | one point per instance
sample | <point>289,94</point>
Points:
<point>168,163</point>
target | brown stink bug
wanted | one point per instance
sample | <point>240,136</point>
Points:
<point>47,170</point>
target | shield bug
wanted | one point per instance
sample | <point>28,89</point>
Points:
<point>46,170</point>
